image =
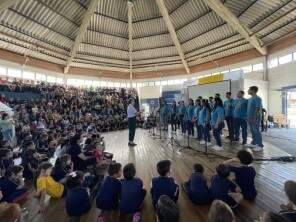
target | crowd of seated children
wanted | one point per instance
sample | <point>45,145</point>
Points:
<point>62,168</point>
<point>164,184</point>
<point>197,187</point>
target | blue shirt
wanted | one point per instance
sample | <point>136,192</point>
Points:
<point>254,103</point>
<point>131,111</point>
<point>204,115</point>
<point>198,190</point>
<point>228,107</point>
<point>240,108</point>
<point>245,179</point>
<point>181,110</point>
<point>132,195</point>
<point>164,186</point>
<point>165,109</point>
<point>190,112</point>
<point>197,109</point>
<point>220,189</point>
<point>218,112</point>
<point>109,194</point>
<point>77,202</point>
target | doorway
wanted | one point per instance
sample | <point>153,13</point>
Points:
<point>291,108</point>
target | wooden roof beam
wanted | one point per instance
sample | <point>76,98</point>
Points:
<point>165,14</point>
<point>130,6</point>
<point>5,4</point>
<point>218,7</point>
<point>82,30</point>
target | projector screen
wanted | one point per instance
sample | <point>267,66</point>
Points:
<point>210,89</point>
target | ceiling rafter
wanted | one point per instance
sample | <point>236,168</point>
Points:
<point>82,30</point>
<point>164,12</point>
<point>130,6</point>
<point>233,21</point>
<point>5,4</point>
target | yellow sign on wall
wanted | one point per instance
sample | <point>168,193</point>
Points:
<point>211,79</point>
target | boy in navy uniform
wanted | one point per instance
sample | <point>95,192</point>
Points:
<point>109,194</point>
<point>224,189</point>
<point>132,192</point>
<point>240,117</point>
<point>244,173</point>
<point>167,210</point>
<point>197,188</point>
<point>164,184</point>
<point>254,114</point>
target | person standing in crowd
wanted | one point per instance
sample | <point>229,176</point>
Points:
<point>165,114</point>
<point>183,117</point>
<point>229,107</point>
<point>211,102</point>
<point>190,118</point>
<point>204,122</point>
<point>6,125</point>
<point>196,115</point>
<point>240,117</point>
<point>132,121</point>
<point>217,122</point>
<point>174,116</point>
<point>254,115</point>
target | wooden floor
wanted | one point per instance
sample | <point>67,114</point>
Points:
<point>269,181</point>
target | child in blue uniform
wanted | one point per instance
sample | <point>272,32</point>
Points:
<point>12,185</point>
<point>164,184</point>
<point>190,118</point>
<point>204,122</point>
<point>229,108</point>
<point>6,159</point>
<point>182,115</point>
<point>78,198</point>
<point>289,210</point>
<point>254,115</point>
<point>197,109</point>
<point>197,188</point>
<point>132,192</point>
<point>167,210</point>
<point>244,173</point>
<point>222,188</point>
<point>109,194</point>
<point>217,122</point>
<point>240,117</point>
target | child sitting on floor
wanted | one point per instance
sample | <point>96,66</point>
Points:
<point>6,159</point>
<point>222,188</point>
<point>63,167</point>
<point>289,210</point>
<point>197,188</point>
<point>78,197</point>
<point>164,184</point>
<point>47,185</point>
<point>12,185</point>
<point>244,173</point>
<point>167,210</point>
<point>9,212</point>
<point>132,193</point>
<point>109,194</point>
<point>220,212</point>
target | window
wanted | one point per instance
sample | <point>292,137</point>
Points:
<point>177,81</point>
<point>128,85</point>
<point>51,79</point>
<point>60,80</point>
<point>151,83</point>
<point>183,80</point>
<point>285,59</point>
<point>294,56</point>
<point>146,83</point>
<point>157,83</point>
<point>171,82</point>
<point>40,77</point>
<point>28,75</point>
<point>273,63</point>
<point>3,71</point>
<point>235,70</point>
<point>104,84</point>
<point>225,71</point>
<point>16,73</point>
<point>110,84</point>
<point>258,67</point>
<point>247,69</point>
<point>123,85</point>
<point>134,84</point>
<point>164,82</point>
<point>117,84</point>
<point>96,83</point>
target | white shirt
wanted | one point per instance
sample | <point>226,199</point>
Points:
<point>131,111</point>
